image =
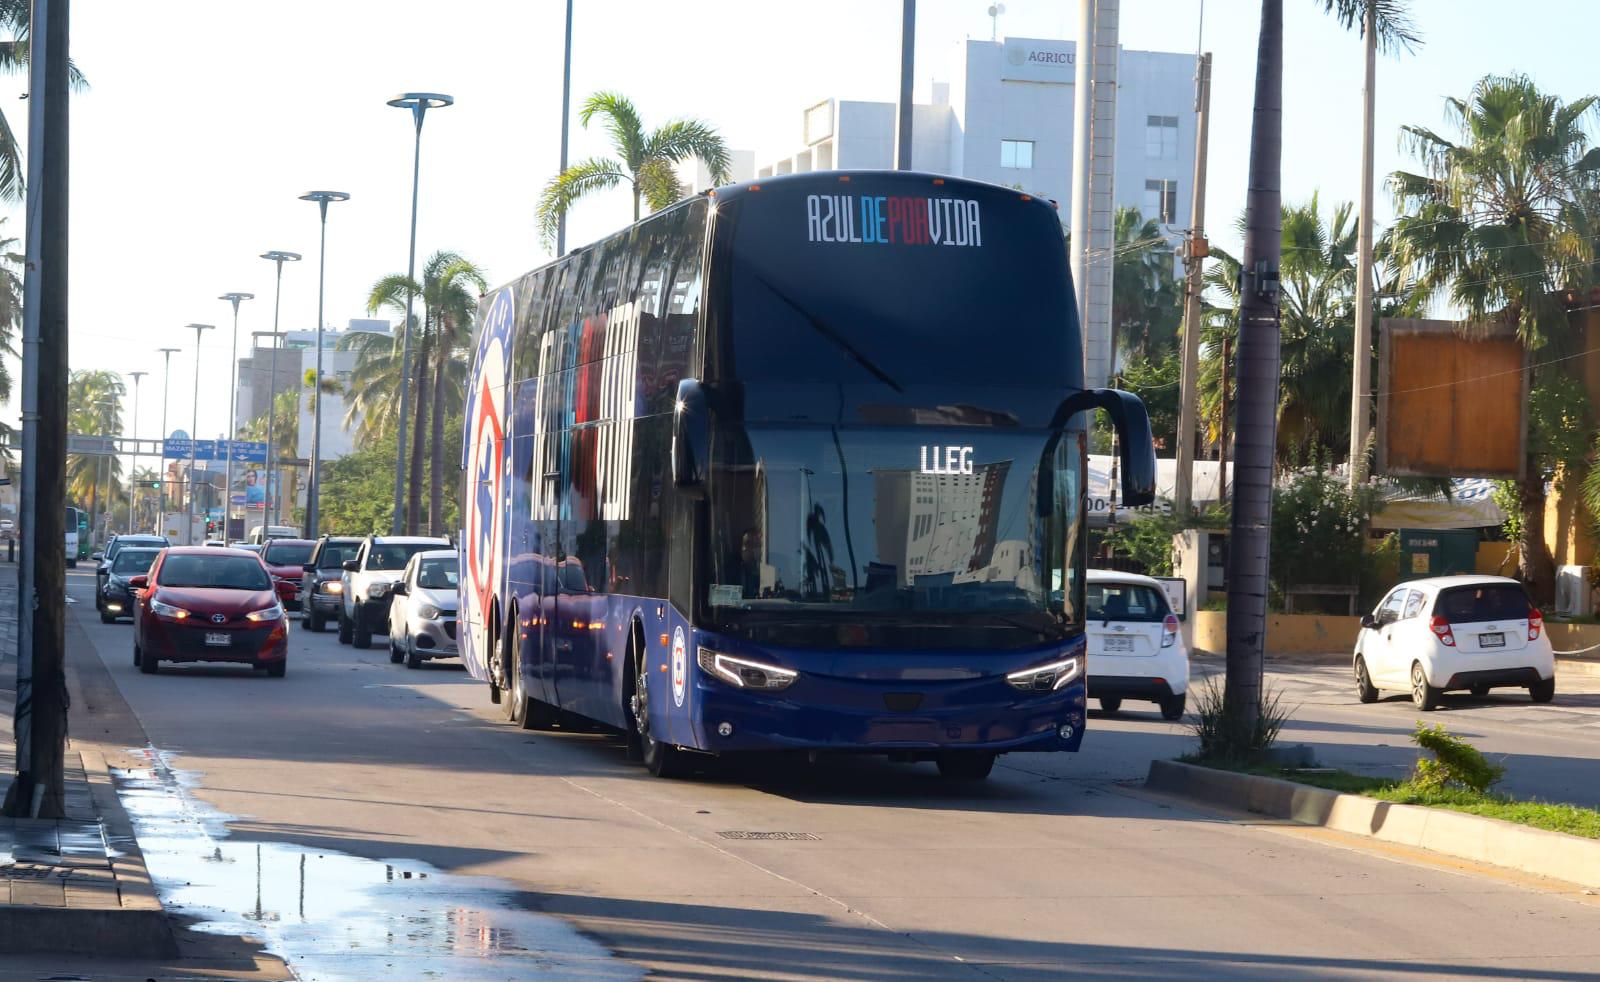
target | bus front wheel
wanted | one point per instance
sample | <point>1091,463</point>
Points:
<point>662,759</point>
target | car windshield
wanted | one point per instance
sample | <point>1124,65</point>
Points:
<point>217,572</point>
<point>438,574</point>
<point>132,562</point>
<point>1126,602</point>
<point>287,554</point>
<point>335,553</point>
<point>395,555</point>
<point>1484,602</point>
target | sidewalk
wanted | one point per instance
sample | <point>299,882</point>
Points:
<point>63,881</point>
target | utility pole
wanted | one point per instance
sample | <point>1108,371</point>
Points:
<point>1361,356</point>
<point>166,378</point>
<point>41,706</point>
<point>1256,418</point>
<point>1193,260</point>
<point>134,465</point>
<point>1222,425</point>
<point>566,116</point>
<point>903,112</point>
<point>1094,127</point>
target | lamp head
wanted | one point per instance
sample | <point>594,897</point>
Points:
<point>323,196</point>
<point>280,257</point>
<point>424,101</point>
<point>234,298</point>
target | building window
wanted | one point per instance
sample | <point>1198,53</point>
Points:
<point>1161,137</point>
<point>1161,201</point>
<point>1016,153</point>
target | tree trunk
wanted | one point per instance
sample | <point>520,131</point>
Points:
<point>419,400</point>
<point>436,448</point>
<point>1535,566</point>
<point>1255,438</point>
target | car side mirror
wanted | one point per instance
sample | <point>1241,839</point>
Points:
<point>1369,622</point>
<point>309,567</point>
<point>98,556</point>
<point>351,566</point>
<point>400,590</point>
<point>691,436</point>
<point>138,582</point>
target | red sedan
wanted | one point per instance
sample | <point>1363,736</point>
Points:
<point>200,604</point>
<point>286,561</point>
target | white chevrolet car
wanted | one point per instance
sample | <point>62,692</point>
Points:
<point>1135,644</point>
<point>422,611</point>
<point>1446,633</point>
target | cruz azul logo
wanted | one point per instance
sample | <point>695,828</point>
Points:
<point>484,536</point>
<point>868,219</point>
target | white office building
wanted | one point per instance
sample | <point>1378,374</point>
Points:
<point>295,358</point>
<point>1006,117</point>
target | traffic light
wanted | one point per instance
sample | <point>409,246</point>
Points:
<point>155,484</point>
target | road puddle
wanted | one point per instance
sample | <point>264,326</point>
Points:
<point>333,916</point>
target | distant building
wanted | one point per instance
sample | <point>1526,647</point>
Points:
<point>295,358</point>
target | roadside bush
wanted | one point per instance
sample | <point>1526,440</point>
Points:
<point>1318,529</point>
<point>1222,737</point>
<point>1455,762</point>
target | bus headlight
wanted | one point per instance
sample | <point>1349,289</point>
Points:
<point>744,673</point>
<point>1047,677</point>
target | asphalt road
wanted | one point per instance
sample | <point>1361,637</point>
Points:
<point>1053,868</point>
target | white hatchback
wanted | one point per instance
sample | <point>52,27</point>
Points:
<point>1448,633</point>
<point>1135,644</point>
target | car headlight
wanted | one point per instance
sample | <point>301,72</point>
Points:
<point>744,673</point>
<point>331,586</point>
<point>428,612</point>
<point>1047,677</point>
<point>168,610</point>
<point>377,589</point>
<point>275,612</point>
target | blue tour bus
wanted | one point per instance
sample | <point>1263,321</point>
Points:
<point>791,465</point>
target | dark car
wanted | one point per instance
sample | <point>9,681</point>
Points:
<point>115,598</point>
<point>199,604</point>
<point>286,560</point>
<point>320,585</point>
<point>119,543</point>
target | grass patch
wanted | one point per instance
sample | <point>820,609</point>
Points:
<point>1570,819</point>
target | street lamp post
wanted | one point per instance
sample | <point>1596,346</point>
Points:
<point>136,376</point>
<point>314,489</point>
<point>266,486</point>
<point>419,103</point>
<point>233,404</point>
<point>194,429</point>
<point>269,507</point>
<point>166,378</point>
<point>94,517</point>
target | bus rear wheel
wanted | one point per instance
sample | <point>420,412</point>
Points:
<point>965,765</point>
<point>662,759</point>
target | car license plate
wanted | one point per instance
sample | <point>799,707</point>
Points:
<point>219,639</point>
<point>1119,644</point>
<point>1496,640</point>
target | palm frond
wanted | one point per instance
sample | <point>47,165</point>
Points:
<point>1395,29</point>
<point>659,184</point>
<point>622,122</point>
<point>584,177</point>
<point>682,139</point>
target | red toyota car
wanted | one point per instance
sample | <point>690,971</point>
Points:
<point>207,604</point>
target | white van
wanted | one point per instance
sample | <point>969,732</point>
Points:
<point>262,534</point>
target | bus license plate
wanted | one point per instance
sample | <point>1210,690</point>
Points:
<point>1119,644</point>
<point>1496,640</point>
<point>218,639</point>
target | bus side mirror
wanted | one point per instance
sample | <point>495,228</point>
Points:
<point>1128,415</point>
<point>691,436</point>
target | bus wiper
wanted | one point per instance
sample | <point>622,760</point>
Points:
<point>834,336</point>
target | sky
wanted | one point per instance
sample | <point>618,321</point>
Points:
<point>206,119</point>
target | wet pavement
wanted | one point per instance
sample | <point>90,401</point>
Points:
<point>333,916</point>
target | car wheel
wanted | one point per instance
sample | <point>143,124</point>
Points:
<point>396,653</point>
<point>107,617</point>
<point>136,654</point>
<point>1172,707</point>
<point>965,765</point>
<point>148,664</point>
<point>413,657</point>
<point>361,631</point>
<point>279,668</point>
<point>1543,690</point>
<point>344,627</point>
<point>1424,696</point>
<point>1365,690</point>
<point>1479,691</point>
<point>661,759</point>
<point>315,622</point>
<point>1110,704</point>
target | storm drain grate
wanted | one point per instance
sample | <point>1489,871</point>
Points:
<point>741,834</point>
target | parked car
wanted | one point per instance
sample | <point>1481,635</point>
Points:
<point>199,604</point>
<point>377,566</point>
<point>321,586</point>
<point>422,609</point>
<point>286,560</point>
<point>1135,641</point>
<point>1449,633</point>
<point>116,545</point>
<point>114,598</point>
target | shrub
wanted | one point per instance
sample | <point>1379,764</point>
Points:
<point>1455,762</point>
<point>1222,737</point>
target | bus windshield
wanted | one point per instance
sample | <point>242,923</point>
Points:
<point>914,527</point>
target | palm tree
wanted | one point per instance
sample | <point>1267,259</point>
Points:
<point>1385,24</point>
<point>1146,304</point>
<point>646,164</point>
<point>1494,225</point>
<point>94,408</point>
<point>373,404</point>
<point>14,18</point>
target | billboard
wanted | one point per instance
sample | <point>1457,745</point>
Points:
<point>1450,404</point>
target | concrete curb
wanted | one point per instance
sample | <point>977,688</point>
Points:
<point>1472,837</point>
